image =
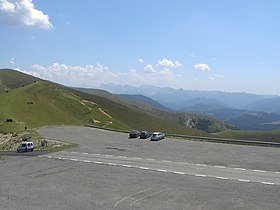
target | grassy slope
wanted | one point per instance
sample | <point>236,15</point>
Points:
<point>42,103</point>
<point>10,79</point>
<point>137,119</point>
<point>54,104</point>
<point>270,136</point>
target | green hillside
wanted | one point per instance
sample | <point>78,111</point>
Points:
<point>10,79</point>
<point>31,102</point>
<point>269,136</point>
<point>42,103</point>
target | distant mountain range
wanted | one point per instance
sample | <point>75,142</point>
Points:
<point>243,110</point>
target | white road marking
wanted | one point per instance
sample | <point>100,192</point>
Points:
<point>97,162</point>
<point>74,152</point>
<point>150,159</point>
<point>200,175</point>
<point>219,167</point>
<point>243,180</point>
<point>112,164</point>
<point>200,165</point>
<point>128,166</point>
<point>277,172</point>
<point>261,171</point>
<point>177,172</point>
<point>137,158</point>
<point>161,170</point>
<point>220,177</point>
<point>87,161</point>
<point>268,183</point>
<point>85,153</point>
<point>240,169</point>
<point>144,168</point>
<point>49,156</point>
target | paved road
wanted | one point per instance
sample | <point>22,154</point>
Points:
<point>110,171</point>
<point>112,143</point>
<point>181,168</point>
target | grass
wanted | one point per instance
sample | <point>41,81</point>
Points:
<point>11,79</point>
<point>268,136</point>
<point>40,104</point>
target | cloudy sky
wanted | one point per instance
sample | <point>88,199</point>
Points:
<point>227,45</point>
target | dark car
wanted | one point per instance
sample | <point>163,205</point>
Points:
<point>134,134</point>
<point>144,134</point>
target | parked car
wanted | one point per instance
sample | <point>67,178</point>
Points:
<point>134,134</point>
<point>144,134</point>
<point>157,136</point>
<point>26,146</point>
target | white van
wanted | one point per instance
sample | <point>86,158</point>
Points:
<point>26,146</point>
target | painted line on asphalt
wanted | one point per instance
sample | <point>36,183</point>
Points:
<point>74,152</point>
<point>112,164</point>
<point>219,167</point>
<point>161,170</point>
<point>144,168</point>
<point>200,175</point>
<point>240,169</point>
<point>200,164</point>
<point>150,159</point>
<point>268,183</point>
<point>223,178</point>
<point>128,166</point>
<point>85,153</point>
<point>243,180</point>
<point>261,171</point>
<point>137,158</point>
<point>178,172</point>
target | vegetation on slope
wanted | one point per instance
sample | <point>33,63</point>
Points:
<point>11,79</point>
<point>42,103</point>
<point>269,136</point>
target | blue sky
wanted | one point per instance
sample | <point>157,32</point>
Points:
<point>226,45</point>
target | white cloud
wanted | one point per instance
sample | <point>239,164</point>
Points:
<point>95,75</point>
<point>24,13</point>
<point>149,68</point>
<point>12,61</point>
<point>202,67</point>
<point>168,63</point>
<point>140,60</point>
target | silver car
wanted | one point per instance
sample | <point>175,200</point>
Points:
<point>157,136</point>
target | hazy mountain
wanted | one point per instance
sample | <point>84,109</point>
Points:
<point>177,99</point>
<point>141,99</point>
<point>266,105</point>
<point>257,121</point>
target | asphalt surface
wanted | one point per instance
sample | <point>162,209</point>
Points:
<point>110,171</point>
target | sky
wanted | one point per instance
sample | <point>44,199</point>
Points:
<point>224,45</point>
